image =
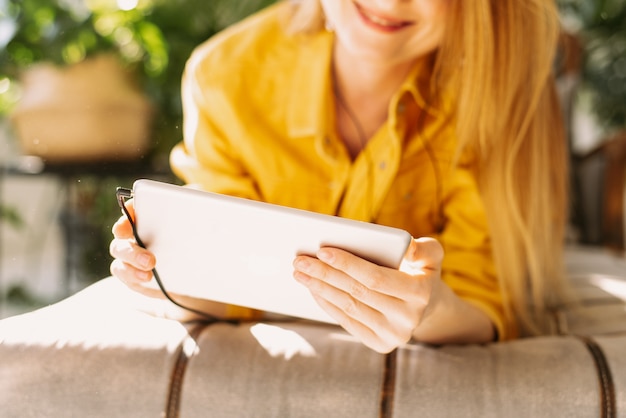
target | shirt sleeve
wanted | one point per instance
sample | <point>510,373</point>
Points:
<point>468,266</point>
<point>206,158</point>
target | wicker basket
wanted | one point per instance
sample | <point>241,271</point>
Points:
<point>89,111</point>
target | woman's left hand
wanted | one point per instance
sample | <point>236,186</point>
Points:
<point>378,305</point>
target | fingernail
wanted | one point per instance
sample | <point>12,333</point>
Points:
<point>144,275</point>
<point>325,255</point>
<point>301,264</point>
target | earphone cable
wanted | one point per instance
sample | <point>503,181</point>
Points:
<point>364,149</point>
<point>122,194</point>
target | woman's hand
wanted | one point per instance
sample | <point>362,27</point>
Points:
<point>380,306</point>
<point>132,264</point>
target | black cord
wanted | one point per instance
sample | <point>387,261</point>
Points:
<point>439,217</point>
<point>363,140</point>
<point>122,194</point>
<point>438,222</point>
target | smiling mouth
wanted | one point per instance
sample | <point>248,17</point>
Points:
<point>381,22</point>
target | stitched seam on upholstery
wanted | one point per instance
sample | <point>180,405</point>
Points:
<point>607,388</point>
<point>172,408</point>
<point>559,319</point>
<point>389,385</point>
<point>612,333</point>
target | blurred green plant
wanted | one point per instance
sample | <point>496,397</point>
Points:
<point>154,37</point>
<point>10,216</point>
<point>601,24</point>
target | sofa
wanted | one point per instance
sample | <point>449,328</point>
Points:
<point>107,352</point>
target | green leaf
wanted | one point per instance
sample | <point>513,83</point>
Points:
<point>11,216</point>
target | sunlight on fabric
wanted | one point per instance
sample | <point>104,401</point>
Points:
<point>614,286</point>
<point>190,347</point>
<point>280,342</point>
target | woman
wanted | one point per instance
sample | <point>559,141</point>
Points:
<point>438,117</point>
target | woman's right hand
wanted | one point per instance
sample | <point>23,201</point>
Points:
<point>132,264</point>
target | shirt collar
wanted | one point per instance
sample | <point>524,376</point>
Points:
<point>418,84</point>
<point>310,99</point>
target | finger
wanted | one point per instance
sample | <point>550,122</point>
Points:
<point>129,274</point>
<point>122,227</point>
<point>387,290</point>
<point>340,288</point>
<point>382,280</point>
<point>321,285</point>
<point>352,297</point>
<point>379,320</point>
<point>134,279</point>
<point>132,254</point>
<point>379,342</point>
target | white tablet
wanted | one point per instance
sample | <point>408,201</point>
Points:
<point>239,251</point>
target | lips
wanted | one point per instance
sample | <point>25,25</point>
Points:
<point>379,21</point>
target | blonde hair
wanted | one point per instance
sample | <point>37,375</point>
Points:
<point>497,57</point>
<point>500,64</point>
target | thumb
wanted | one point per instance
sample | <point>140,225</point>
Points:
<point>423,254</point>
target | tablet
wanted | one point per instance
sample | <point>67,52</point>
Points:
<point>240,251</point>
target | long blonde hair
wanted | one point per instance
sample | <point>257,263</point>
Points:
<point>500,64</point>
<point>497,58</point>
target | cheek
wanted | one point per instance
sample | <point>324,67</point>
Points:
<point>434,7</point>
<point>440,12</point>
<point>435,16</point>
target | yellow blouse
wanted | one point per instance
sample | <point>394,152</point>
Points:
<point>259,124</point>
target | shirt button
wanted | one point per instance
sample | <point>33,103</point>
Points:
<point>328,148</point>
<point>401,107</point>
<point>382,165</point>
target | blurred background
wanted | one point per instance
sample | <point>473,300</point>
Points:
<point>90,100</point>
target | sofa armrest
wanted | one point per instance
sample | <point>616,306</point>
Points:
<point>98,353</point>
<point>89,355</point>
